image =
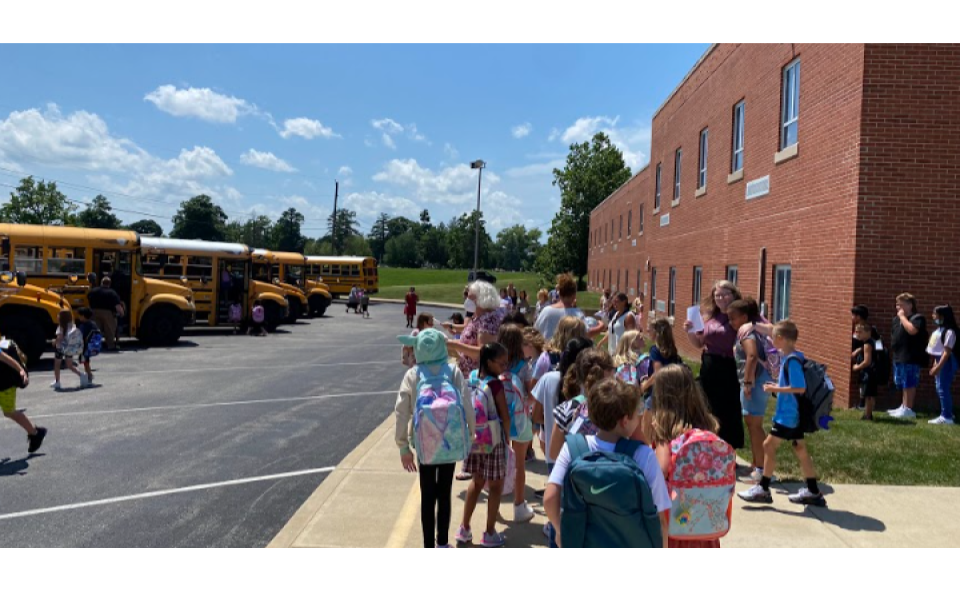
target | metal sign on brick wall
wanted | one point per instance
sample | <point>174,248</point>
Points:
<point>661,305</point>
<point>664,220</point>
<point>758,187</point>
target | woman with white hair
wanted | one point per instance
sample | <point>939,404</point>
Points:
<point>482,328</point>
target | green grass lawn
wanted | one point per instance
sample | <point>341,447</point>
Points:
<point>885,451</point>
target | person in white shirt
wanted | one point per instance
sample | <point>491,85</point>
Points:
<point>567,306</point>
<point>941,347</point>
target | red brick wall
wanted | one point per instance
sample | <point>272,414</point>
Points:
<point>909,222</point>
<point>809,218</point>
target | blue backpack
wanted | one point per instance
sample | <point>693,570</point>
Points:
<point>441,433</point>
<point>516,395</point>
<point>607,502</point>
<point>94,344</point>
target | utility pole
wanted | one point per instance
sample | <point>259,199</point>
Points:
<point>383,236</point>
<point>479,165</point>
<point>336,193</point>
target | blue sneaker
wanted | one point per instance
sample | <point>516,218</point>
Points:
<point>492,540</point>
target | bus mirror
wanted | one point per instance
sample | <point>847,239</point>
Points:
<point>72,279</point>
<point>183,280</point>
<point>21,278</point>
<point>6,277</point>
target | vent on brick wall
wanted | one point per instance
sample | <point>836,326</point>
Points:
<point>664,220</point>
<point>758,187</point>
<point>634,242</point>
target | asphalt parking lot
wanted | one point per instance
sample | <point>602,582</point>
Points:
<point>213,443</point>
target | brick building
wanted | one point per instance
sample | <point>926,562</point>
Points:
<point>816,176</point>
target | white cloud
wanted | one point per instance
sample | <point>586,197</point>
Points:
<point>345,174</point>
<point>390,128</point>
<point>554,135</point>
<point>450,151</point>
<point>388,142</point>
<point>266,160</point>
<point>387,125</point>
<point>416,135</point>
<point>202,103</point>
<point>295,201</point>
<point>522,131</point>
<point>369,205</point>
<point>585,127</point>
<point>306,128</point>
<point>456,184</point>
<point>536,169</point>
<point>633,142</point>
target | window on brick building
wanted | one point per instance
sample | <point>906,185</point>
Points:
<point>702,174</point>
<point>697,278</point>
<point>672,297</point>
<point>738,115</point>
<point>677,160</point>
<point>629,223</point>
<point>732,272</point>
<point>618,280</point>
<point>626,279</point>
<point>653,288</point>
<point>640,225</point>
<point>620,235</point>
<point>790,104</point>
<point>781,292</point>
<point>656,197</point>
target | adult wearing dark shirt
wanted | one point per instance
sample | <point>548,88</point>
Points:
<point>107,306</point>
<point>908,345</point>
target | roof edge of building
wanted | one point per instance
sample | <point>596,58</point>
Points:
<point>686,77</point>
<point>623,185</point>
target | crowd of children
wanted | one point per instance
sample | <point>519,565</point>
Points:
<point>638,417</point>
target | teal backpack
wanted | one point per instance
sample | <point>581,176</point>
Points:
<point>607,502</point>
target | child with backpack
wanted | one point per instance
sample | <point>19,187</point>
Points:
<point>613,491</point>
<point>533,346</point>
<point>235,315</point>
<point>573,415</point>
<point>407,355</point>
<point>865,369</point>
<point>68,345</point>
<point>13,375</point>
<point>435,397</point>
<point>663,352</point>
<point>365,303</point>
<point>787,422</point>
<point>487,462</point>
<point>92,340</point>
<point>627,356</point>
<point>516,389</point>
<point>750,355</point>
<point>699,467</point>
<point>259,316</point>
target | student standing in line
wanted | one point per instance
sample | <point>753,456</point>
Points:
<point>908,346</point>
<point>941,347</point>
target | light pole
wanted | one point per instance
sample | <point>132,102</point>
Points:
<point>479,165</point>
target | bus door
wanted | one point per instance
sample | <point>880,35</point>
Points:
<point>234,286</point>
<point>117,265</point>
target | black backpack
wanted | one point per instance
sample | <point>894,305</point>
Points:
<point>816,402</point>
<point>881,364</point>
<point>9,377</point>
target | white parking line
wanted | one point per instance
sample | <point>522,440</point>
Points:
<point>192,488</point>
<point>268,367</point>
<point>211,405</point>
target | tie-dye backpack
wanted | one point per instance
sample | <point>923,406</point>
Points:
<point>702,480</point>
<point>581,423</point>
<point>516,395</point>
<point>441,433</point>
<point>627,373</point>
<point>485,409</point>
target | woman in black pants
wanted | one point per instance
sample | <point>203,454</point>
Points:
<point>718,370</point>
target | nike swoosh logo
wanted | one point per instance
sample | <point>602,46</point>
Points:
<point>596,491</point>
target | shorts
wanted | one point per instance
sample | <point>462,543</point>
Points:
<point>60,355</point>
<point>906,376</point>
<point>8,401</point>
<point>756,404</point>
<point>868,386</point>
<point>526,435</point>
<point>488,466</point>
<point>786,433</point>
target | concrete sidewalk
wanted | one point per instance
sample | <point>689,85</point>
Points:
<point>370,502</point>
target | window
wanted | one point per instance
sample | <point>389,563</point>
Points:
<point>28,259</point>
<point>738,113</point>
<point>152,264</point>
<point>171,267</point>
<point>672,299</point>
<point>640,226</point>
<point>781,293</point>
<point>66,261</point>
<point>653,287</point>
<point>626,279</point>
<point>335,270</point>
<point>702,175</point>
<point>677,159</point>
<point>618,280</point>
<point>629,223</point>
<point>325,270</point>
<point>354,270</point>
<point>620,235</point>
<point>613,228</point>
<point>791,105</point>
<point>656,197</point>
<point>697,277</point>
<point>200,266</point>
<point>732,272</point>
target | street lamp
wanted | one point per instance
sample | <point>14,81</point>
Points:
<point>479,165</point>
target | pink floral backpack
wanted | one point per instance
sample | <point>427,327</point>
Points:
<point>702,480</point>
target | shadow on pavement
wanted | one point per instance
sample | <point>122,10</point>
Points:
<point>16,467</point>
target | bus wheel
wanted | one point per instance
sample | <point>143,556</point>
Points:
<point>318,306</point>
<point>27,333</point>
<point>296,309</point>
<point>273,316</point>
<point>162,326</point>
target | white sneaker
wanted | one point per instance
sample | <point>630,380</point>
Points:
<point>893,411</point>
<point>522,513</point>
<point>84,382</point>
<point>941,421</point>
<point>56,386</point>
<point>905,413</point>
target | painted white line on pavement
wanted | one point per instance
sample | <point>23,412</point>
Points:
<point>192,488</point>
<point>271,367</point>
<point>211,405</point>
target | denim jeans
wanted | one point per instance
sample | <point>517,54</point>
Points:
<point>944,381</point>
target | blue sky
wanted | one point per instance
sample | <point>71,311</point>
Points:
<point>262,128</point>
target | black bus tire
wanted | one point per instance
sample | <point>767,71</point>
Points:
<point>161,326</point>
<point>296,309</point>
<point>273,316</point>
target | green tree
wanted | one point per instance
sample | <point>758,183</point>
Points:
<point>319,247</point>
<point>433,246</point>
<point>594,170</point>
<point>286,232</point>
<point>200,219</point>
<point>461,240</point>
<point>146,227</point>
<point>357,246</point>
<point>98,214</point>
<point>257,232</point>
<point>340,227</point>
<point>233,232</point>
<point>378,236</point>
<point>425,218</point>
<point>517,248</point>
<point>402,251</point>
<point>37,204</point>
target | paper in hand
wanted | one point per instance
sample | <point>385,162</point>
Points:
<point>693,315</point>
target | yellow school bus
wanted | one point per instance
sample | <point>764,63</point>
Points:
<point>69,260</point>
<point>264,267</point>
<point>290,269</point>
<point>28,314</point>
<point>219,274</point>
<point>341,273</point>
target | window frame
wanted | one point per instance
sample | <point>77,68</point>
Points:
<point>51,254</point>
<point>704,153</point>
<point>736,273</point>
<point>697,285</point>
<point>653,287</point>
<point>640,225</point>
<point>739,118</point>
<point>656,196</point>
<point>677,172</point>
<point>790,104</point>
<point>31,263</point>
<point>629,223</point>
<point>781,297</point>
<point>672,293</point>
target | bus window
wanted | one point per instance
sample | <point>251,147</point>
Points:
<point>294,273</point>
<point>274,272</point>
<point>28,259</point>
<point>335,270</point>
<point>172,269</point>
<point>200,266</point>
<point>66,261</point>
<point>261,272</point>
<point>153,264</point>
<point>325,270</point>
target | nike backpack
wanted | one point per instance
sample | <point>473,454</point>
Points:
<point>607,502</point>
